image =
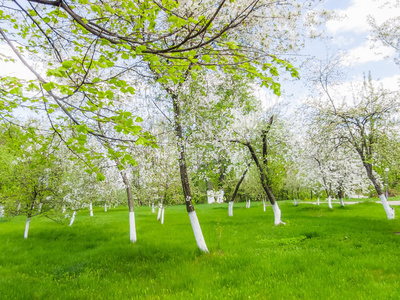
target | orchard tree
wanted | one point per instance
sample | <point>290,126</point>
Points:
<point>30,175</point>
<point>98,52</point>
<point>366,121</point>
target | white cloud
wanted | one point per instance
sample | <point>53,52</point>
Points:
<point>368,52</point>
<point>354,18</point>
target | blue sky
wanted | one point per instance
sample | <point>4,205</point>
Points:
<point>352,34</point>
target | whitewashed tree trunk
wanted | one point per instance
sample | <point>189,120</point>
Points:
<point>132,227</point>
<point>27,228</point>
<point>162,215</point>
<point>152,208</point>
<point>277,214</point>
<point>105,207</point>
<point>40,207</point>
<point>341,202</point>
<point>198,234</point>
<point>159,212</point>
<point>330,202</point>
<point>91,209</point>
<point>296,202</point>
<point>318,201</point>
<point>264,205</point>
<point>72,218</point>
<point>63,209</point>
<point>389,210</point>
<point>230,209</point>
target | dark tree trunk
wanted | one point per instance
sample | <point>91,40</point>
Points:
<point>239,183</point>
<point>371,176</point>
<point>182,157</point>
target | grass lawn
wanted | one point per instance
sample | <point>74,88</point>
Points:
<point>344,253</point>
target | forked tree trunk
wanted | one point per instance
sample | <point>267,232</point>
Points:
<point>28,220</point>
<point>194,221</point>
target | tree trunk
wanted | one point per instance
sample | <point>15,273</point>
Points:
<point>132,226</point>
<point>152,208</point>
<point>72,218</point>
<point>318,201</point>
<point>389,211</point>
<point>162,214</point>
<point>91,209</point>
<point>230,209</point>
<point>330,202</point>
<point>277,214</point>
<point>341,202</point>
<point>159,211</point>
<point>198,234</point>
<point>105,207</point>
<point>27,228</point>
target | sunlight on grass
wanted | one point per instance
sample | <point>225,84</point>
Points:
<point>349,252</point>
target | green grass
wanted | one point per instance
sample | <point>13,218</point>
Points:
<point>344,253</point>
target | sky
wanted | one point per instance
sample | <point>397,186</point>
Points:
<point>352,34</point>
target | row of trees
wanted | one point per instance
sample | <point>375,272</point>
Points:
<point>163,93</point>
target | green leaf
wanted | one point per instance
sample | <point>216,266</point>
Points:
<point>100,177</point>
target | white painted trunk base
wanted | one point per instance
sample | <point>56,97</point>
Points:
<point>277,214</point>
<point>105,207</point>
<point>40,207</point>
<point>72,218</point>
<point>389,210</point>
<point>264,204</point>
<point>296,202</point>
<point>248,204</point>
<point>91,209</point>
<point>132,227</point>
<point>330,202</point>
<point>341,202</point>
<point>318,201</point>
<point>230,209</point>
<point>198,234</point>
<point>159,212</point>
<point>152,208</point>
<point>162,215</point>
<point>27,228</point>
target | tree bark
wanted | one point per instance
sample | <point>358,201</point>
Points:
<point>132,225</point>
<point>389,210</point>
<point>185,178</point>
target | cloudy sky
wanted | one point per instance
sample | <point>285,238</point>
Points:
<point>351,33</point>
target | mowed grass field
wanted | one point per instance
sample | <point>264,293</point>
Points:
<point>344,253</point>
